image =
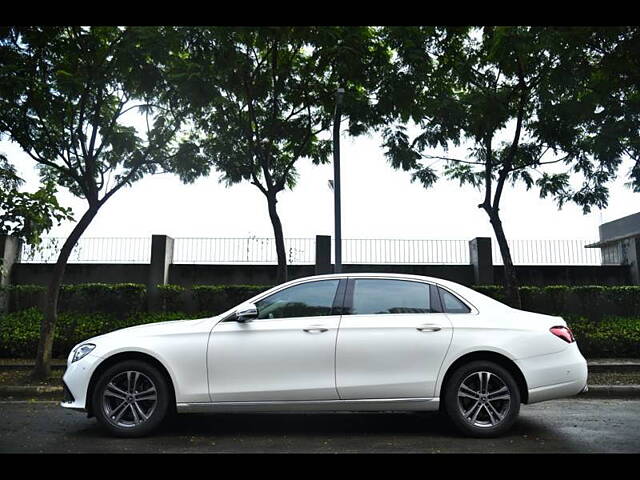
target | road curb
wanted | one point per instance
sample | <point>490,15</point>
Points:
<point>612,391</point>
<point>613,366</point>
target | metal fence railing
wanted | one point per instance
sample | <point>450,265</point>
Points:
<point>553,252</point>
<point>242,250</point>
<point>91,250</point>
<point>392,251</point>
<point>300,251</point>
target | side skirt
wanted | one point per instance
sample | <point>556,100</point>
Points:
<point>373,404</point>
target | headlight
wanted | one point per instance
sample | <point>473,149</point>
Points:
<point>82,351</point>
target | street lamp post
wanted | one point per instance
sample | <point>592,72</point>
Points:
<point>336,180</point>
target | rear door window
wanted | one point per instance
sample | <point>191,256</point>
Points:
<point>381,296</point>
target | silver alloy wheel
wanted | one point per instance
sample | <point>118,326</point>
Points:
<point>129,399</point>
<point>484,399</point>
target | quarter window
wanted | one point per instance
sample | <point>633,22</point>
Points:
<point>451,303</point>
<point>313,299</point>
<point>390,296</point>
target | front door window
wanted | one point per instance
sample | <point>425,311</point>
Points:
<point>312,299</point>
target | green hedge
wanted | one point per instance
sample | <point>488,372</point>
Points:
<point>19,331</point>
<point>126,299</point>
<point>219,298</point>
<point>591,301</point>
<point>118,299</point>
<point>172,298</point>
<point>610,337</point>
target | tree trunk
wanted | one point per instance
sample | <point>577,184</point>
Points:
<point>42,368</point>
<point>512,293</point>
<point>281,275</point>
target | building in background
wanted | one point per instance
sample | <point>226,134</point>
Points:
<point>620,239</point>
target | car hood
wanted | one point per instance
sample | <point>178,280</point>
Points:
<point>152,329</point>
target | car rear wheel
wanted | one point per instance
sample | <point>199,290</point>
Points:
<point>482,399</point>
<point>131,399</point>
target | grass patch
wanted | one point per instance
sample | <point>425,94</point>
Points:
<point>614,378</point>
<point>21,377</point>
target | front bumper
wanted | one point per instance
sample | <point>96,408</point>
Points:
<point>76,380</point>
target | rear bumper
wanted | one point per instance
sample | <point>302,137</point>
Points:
<point>557,375</point>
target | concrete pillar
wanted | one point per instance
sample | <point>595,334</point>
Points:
<point>323,254</point>
<point>10,251</point>
<point>161,259</point>
<point>481,260</point>
<point>632,258</point>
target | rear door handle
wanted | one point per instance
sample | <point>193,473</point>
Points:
<point>315,329</point>
<point>427,327</point>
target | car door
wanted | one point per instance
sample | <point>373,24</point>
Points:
<point>392,339</point>
<point>287,353</point>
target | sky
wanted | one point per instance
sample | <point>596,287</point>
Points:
<point>377,202</point>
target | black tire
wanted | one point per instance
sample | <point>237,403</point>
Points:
<point>485,418</point>
<point>106,410</point>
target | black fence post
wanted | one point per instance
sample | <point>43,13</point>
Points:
<point>481,260</point>
<point>323,254</point>
<point>161,259</point>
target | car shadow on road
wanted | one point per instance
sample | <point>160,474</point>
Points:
<point>316,432</point>
<point>323,424</point>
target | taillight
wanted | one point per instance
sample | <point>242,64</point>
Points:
<point>564,333</point>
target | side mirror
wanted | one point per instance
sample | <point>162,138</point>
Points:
<point>246,312</point>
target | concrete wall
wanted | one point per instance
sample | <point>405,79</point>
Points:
<point>568,275</point>
<point>38,273</point>
<point>188,274</point>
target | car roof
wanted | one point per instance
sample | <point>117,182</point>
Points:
<point>375,275</point>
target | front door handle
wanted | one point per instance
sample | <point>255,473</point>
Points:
<point>429,328</point>
<point>315,329</point>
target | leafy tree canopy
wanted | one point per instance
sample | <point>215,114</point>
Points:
<point>260,97</point>
<point>518,94</point>
<point>64,96</point>
<point>523,97</point>
<point>27,215</point>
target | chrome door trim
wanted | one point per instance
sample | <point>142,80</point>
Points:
<point>369,404</point>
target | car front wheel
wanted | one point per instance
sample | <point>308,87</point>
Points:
<point>482,399</point>
<point>131,398</point>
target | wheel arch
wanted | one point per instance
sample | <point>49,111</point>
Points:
<point>123,356</point>
<point>490,356</point>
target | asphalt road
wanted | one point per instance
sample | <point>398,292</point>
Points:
<point>580,426</point>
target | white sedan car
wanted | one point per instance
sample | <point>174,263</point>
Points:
<point>333,342</point>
